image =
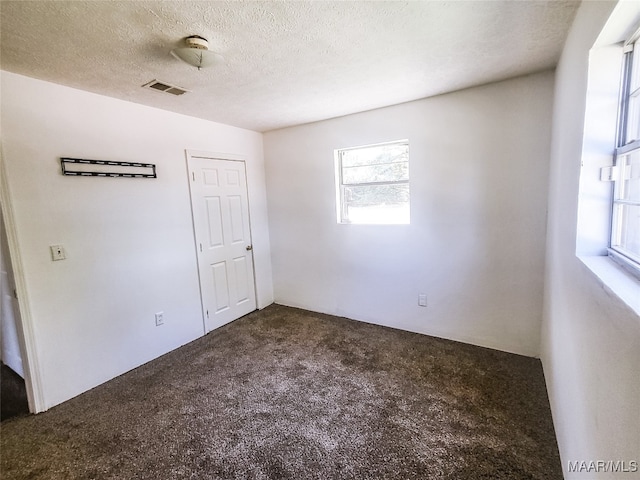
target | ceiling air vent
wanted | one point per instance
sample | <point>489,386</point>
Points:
<point>165,87</point>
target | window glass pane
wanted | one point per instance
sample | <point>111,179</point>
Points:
<point>633,118</point>
<point>631,177</point>
<point>374,184</point>
<point>626,235</point>
<point>630,230</point>
<point>381,172</point>
<point>397,152</point>
<point>625,222</point>
<point>635,68</point>
<point>382,204</point>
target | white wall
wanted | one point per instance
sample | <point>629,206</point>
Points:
<point>590,338</point>
<point>129,242</point>
<point>475,246</point>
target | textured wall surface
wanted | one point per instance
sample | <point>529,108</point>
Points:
<point>129,242</point>
<point>590,338</point>
<point>475,245</point>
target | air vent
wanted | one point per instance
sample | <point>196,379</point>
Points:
<point>165,87</point>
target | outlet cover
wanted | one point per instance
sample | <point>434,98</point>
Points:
<point>422,300</point>
<point>159,319</point>
<point>57,252</point>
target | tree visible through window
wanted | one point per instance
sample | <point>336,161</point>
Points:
<point>373,184</point>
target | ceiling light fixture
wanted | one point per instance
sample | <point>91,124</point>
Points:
<point>197,53</point>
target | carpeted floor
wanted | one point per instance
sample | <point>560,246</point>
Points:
<point>289,394</point>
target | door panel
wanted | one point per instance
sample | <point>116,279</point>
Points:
<point>210,177</point>
<point>220,286</point>
<point>241,267</point>
<point>214,221</point>
<point>221,222</point>
<point>237,220</point>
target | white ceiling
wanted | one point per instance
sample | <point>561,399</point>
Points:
<point>287,62</point>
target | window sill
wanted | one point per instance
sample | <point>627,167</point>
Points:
<point>615,279</point>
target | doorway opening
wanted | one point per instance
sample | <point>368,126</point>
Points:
<point>13,401</point>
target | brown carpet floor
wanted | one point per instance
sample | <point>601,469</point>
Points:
<point>289,394</point>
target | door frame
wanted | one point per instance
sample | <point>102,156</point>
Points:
<point>232,157</point>
<point>24,320</point>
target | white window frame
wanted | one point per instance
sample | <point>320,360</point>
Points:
<point>624,148</point>
<point>342,215</point>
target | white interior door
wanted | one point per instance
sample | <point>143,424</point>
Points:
<point>220,208</point>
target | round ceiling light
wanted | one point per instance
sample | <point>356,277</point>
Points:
<point>197,53</point>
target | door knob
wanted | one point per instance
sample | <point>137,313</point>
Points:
<point>249,247</point>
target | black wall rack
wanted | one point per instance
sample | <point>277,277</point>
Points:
<point>110,168</point>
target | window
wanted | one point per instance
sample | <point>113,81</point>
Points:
<point>625,220</point>
<point>373,184</point>
<point>605,230</point>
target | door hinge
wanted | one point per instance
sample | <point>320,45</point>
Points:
<point>193,176</point>
<point>201,247</point>
<point>608,174</point>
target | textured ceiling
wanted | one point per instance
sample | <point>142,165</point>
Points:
<point>287,62</point>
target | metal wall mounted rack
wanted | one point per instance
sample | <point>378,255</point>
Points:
<point>106,168</point>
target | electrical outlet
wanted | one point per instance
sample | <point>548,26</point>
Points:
<point>57,252</point>
<point>422,300</point>
<point>159,319</point>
